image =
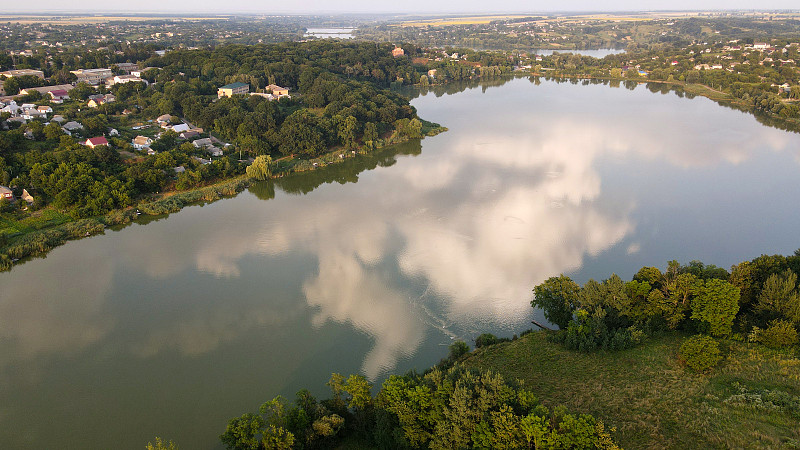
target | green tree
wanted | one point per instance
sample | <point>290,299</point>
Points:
<point>261,168</point>
<point>557,297</point>
<point>779,297</point>
<point>715,306</point>
<point>161,445</point>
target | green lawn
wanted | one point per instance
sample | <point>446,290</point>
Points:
<point>651,400</point>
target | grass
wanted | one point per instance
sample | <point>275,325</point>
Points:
<point>651,400</point>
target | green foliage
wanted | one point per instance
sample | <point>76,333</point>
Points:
<point>485,339</point>
<point>779,333</point>
<point>161,445</point>
<point>261,168</point>
<point>715,306</point>
<point>700,353</point>
<point>458,349</point>
<point>779,297</point>
<point>557,297</point>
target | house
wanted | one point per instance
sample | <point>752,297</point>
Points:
<point>6,193</point>
<point>46,90</point>
<point>180,128</point>
<point>127,67</point>
<point>140,142</point>
<point>214,151</point>
<point>96,141</point>
<point>204,142</point>
<point>201,160</point>
<point>92,76</point>
<point>72,126</point>
<point>112,132</point>
<point>23,72</point>
<point>11,108</point>
<point>179,169</point>
<point>150,151</point>
<point>398,51</point>
<point>33,113</point>
<point>278,91</point>
<point>121,79</point>
<point>760,45</point>
<point>166,118</point>
<point>126,112</point>
<point>45,109</point>
<point>59,95</point>
<point>189,134</point>
<point>58,118</point>
<point>233,89</point>
<point>138,73</point>
<point>95,102</point>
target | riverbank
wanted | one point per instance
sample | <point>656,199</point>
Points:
<point>49,228</point>
<point>651,400</point>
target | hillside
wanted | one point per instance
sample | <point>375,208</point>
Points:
<point>653,401</point>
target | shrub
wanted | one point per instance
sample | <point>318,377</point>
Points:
<point>700,353</point>
<point>485,339</point>
<point>779,333</point>
<point>458,349</point>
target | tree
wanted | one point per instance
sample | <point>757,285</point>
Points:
<point>715,306</point>
<point>261,169</point>
<point>779,297</point>
<point>370,134</point>
<point>558,297</point>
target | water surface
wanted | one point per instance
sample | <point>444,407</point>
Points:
<point>374,266</point>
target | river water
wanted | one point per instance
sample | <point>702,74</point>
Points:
<point>376,265</point>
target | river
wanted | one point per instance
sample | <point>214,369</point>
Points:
<point>376,265</point>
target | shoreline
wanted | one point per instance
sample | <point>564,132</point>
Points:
<point>39,242</point>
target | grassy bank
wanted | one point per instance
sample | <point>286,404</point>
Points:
<point>652,400</point>
<point>37,234</point>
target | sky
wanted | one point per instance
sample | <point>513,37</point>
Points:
<point>384,6</point>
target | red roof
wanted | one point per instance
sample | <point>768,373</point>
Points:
<point>95,141</point>
<point>59,93</point>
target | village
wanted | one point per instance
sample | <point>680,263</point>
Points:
<point>143,133</point>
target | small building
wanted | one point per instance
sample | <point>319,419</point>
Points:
<point>127,67</point>
<point>46,90</point>
<point>122,79</point>
<point>180,128</point>
<point>45,109</point>
<point>96,141</point>
<point>189,134</point>
<point>58,118</point>
<point>214,151</point>
<point>204,142</point>
<point>59,95</point>
<point>95,102</point>
<point>23,72</point>
<point>92,76</point>
<point>179,169</point>
<point>140,142</point>
<point>6,194</point>
<point>398,51</point>
<point>233,89</point>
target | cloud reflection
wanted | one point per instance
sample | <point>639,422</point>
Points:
<point>484,214</point>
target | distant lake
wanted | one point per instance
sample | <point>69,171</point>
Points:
<point>376,265</point>
<point>599,53</point>
<point>322,33</point>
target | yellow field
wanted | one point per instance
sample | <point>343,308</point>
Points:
<point>474,20</point>
<point>633,17</point>
<point>88,20</point>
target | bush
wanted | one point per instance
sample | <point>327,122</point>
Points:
<point>700,353</point>
<point>485,339</point>
<point>458,349</point>
<point>779,333</point>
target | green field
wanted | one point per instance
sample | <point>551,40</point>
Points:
<point>652,401</point>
